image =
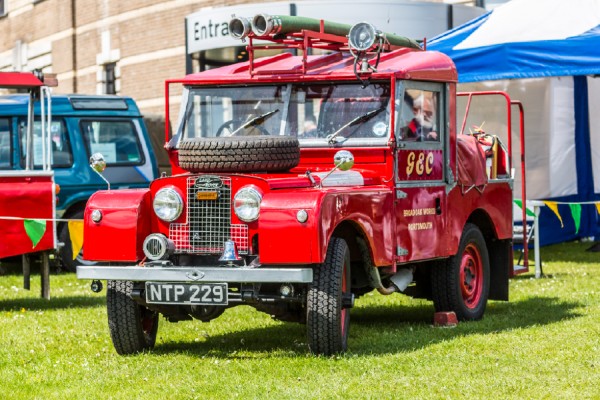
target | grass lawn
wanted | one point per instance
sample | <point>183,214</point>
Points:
<point>544,343</point>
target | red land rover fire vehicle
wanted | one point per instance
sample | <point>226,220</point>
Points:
<point>301,182</point>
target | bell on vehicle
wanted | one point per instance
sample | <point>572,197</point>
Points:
<point>362,36</point>
<point>230,253</point>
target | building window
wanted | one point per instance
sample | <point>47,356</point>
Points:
<point>110,78</point>
<point>2,12</point>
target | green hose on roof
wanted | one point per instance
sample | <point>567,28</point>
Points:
<point>263,25</point>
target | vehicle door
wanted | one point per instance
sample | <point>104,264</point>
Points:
<point>420,177</point>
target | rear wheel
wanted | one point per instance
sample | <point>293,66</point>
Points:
<point>462,284</point>
<point>132,327</point>
<point>327,319</point>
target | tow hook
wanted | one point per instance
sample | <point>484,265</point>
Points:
<point>96,286</point>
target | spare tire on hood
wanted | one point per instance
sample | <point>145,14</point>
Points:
<point>239,154</point>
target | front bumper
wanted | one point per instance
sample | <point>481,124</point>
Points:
<point>197,274</point>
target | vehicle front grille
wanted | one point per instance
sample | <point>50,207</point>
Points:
<point>208,223</point>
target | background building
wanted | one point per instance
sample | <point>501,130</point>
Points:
<point>131,48</point>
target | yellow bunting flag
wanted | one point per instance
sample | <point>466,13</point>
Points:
<point>554,207</point>
<point>76,236</point>
<point>598,207</point>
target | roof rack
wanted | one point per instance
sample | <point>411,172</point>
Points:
<point>299,33</point>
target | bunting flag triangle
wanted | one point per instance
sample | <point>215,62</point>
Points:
<point>576,213</point>
<point>554,207</point>
<point>528,212</point>
<point>76,236</point>
<point>598,207</point>
<point>35,229</point>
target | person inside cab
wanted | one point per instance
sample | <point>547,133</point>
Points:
<point>423,124</point>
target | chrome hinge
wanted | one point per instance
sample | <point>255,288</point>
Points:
<point>401,252</point>
<point>400,194</point>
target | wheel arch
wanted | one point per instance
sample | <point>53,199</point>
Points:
<point>359,244</point>
<point>499,252</point>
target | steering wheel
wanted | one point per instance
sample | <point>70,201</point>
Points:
<point>234,124</point>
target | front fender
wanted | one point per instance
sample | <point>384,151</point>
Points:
<point>284,240</point>
<point>125,223</point>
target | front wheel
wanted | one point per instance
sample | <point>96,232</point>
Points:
<point>327,318</point>
<point>462,284</point>
<point>132,327</point>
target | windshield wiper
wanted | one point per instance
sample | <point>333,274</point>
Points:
<point>254,121</point>
<point>361,118</point>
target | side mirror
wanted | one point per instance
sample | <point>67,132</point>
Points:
<point>343,160</point>
<point>98,164</point>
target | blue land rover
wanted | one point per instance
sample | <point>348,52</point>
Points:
<point>81,125</point>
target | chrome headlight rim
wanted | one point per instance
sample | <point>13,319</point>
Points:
<point>246,212</point>
<point>170,197</point>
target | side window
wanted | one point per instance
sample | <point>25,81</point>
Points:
<point>116,140</point>
<point>421,132</point>
<point>5,148</point>
<point>62,155</point>
<point>420,116</point>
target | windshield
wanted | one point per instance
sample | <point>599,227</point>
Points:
<point>317,114</point>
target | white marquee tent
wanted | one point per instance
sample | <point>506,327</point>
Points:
<point>545,53</point>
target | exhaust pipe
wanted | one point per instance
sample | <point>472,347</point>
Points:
<point>239,27</point>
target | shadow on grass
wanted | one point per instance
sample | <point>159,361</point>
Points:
<point>378,330</point>
<point>56,303</point>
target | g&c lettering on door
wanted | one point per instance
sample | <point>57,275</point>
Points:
<point>419,163</point>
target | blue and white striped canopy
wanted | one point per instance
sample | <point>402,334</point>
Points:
<point>526,39</point>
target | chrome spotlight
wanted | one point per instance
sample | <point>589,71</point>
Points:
<point>362,36</point>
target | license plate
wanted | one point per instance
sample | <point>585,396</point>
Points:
<point>183,293</point>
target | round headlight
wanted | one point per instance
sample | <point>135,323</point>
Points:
<point>167,204</point>
<point>246,204</point>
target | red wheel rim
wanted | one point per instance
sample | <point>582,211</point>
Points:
<point>471,276</point>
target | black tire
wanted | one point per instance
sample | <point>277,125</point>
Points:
<point>132,327</point>
<point>66,251</point>
<point>462,283</point>
<point>239,154</point>
<point>327,320</point>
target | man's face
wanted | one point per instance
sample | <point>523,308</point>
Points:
<point>425,115</point>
